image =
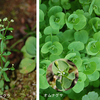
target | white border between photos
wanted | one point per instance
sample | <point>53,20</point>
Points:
<point>37,44</point>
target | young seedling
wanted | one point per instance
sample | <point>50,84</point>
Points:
<point>4,62</point>
<point>65,72</point>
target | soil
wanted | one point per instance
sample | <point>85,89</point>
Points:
<point>22,86</point>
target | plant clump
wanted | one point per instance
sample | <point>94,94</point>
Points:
<point>71,32</point>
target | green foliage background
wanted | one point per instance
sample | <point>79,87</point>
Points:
<point>71,29</point>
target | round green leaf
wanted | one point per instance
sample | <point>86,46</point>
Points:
<point>48,30</point>
<point>81,24</point>
<point>52,39</point>
<point>93,47</point>
<point>65,4</point>
<point>62,65</point>
<point>46,46</point>
<point>94,76</point>
<point>53,10</point>
<point>30,46</point>
<point>77,45</point>
<point>58,47</point>
<point>89,68</point>
<point>25,53</point>
<point>82,77</point>
<point>97,61</point>
<point>27,65</point>
<point>54,57</point>
<point>81,36</point>
<point>43,82</point>
<point>78,87</point>
<point>66,83</point>
<point>57,21</point>
<point>91,96</point>
<point>96,36</point>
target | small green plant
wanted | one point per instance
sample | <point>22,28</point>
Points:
<point>4,62</point>
<point>70,29</point>
<point>28,64</point>
<point>91,96</point>
<point>62,69</point>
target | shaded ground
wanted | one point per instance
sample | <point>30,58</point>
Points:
<point>22,87</point>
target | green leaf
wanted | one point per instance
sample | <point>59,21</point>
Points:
<point>1,83</point>
<point>93,47</point>
<point>43,84</point>
<point>53,10</point>
<point>77,45</point>
<point>6,77</point>
<point>41,15</point>
<point>71,76</point>
<point>30,46</point>
<point>41,98</point>
<point>81,36</point>
<point>9,37</point>
<point>91,96</point>
<point>3,58</point>
<point>27,65</point>
<point>55,69</point>
<point>94,76</point>
<point>52,39</point>
<point>10,29</point>
<point>46,63</point>
<point>57,49</point>
<point>25,53</point>
<point>96,36</point>
<point>65,4</point>
<point>2,46</point>
<point>97,61</point>
<point>49,30</point>
<point>82,77</point>
<point>2,29</point>
<point>76,21</point>
<point>41,71</point>
<point>1,36</point>
<point>6,53</point>
<point>57,21</point>
<point>4,69</point>
<point>43,7</point>
<point>54,57</point>
<point>78,87</point>
<point>58,84</point>
<point>89,68</point>
<point>62,65</point>
<point>66,83</point>
<point>40,35</point>
<point>12,68</point>
<point>75,59</point>
<point>70,55</point>
<point>67,35</point>
<point>46,46</point>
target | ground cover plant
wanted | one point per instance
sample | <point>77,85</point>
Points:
<point>26,67</point>
<point>70,29</point>
<point>62,75</point>
<point>4,62</point>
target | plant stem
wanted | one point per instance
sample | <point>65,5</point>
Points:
<point>1,61</point>
<point>21,39</point>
